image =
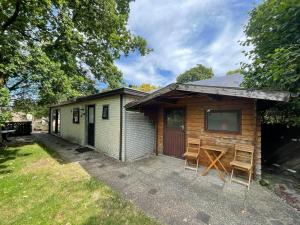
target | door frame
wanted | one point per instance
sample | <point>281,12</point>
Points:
<point>57,114</point>
<point>87,124</point>
<point>165,109</point>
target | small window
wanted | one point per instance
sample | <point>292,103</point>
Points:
<point>223,120</point>
<point>76,115</point>
<point>105,112</point>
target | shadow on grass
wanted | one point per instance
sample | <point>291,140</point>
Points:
<point>8,155</point>
<point>4,170</point>
<point>51,152</point>
<point>12,151</point>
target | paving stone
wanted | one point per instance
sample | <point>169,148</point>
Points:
<point>218,186</point>
<point>152,191</point>
<point>122,175</point>
<point>253,211</point>
<point>276,222</point>
<point>204,217</point>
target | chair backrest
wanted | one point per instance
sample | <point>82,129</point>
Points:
<point>244,153</point>
<point>193,145</point>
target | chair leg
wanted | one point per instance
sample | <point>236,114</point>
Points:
<point>231,174</point>
<point>185,164</point>
<point>197,165</point>
<point>250,174</point>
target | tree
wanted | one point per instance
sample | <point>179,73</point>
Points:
<point>273,30</point>
<point>198,72</point>
<point>28,105</point>
<point>235,71</point>
<point>4,106</point>
<point>144,87</point>
<point>52,49</point>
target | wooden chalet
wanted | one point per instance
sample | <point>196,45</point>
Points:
<point>216,110</point>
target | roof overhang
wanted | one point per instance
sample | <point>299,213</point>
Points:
<point>117,91</point>
<point>279,96</point>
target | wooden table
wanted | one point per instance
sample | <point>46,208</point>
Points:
<point>214,153</point>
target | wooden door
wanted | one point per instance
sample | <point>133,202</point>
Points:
<point>174,138</point>
<point>91,125</point>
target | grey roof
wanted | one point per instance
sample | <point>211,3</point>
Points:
<point>233,81</point>
<point>117,91</point>
<point>229,85</point>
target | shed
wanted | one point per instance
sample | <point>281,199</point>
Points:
<point>217,109</point>
<point>100,121</point>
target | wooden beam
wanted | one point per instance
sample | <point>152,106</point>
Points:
<point>166,100</point>
<point>215,97</point>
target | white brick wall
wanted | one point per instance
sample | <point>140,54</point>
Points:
<point>107,133</point>
<point>139,136</point>
<point>69,130</point>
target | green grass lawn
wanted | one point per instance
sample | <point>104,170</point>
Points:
<point>37,188</point>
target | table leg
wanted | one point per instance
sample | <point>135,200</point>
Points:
<point>5,137</point>
<point>218,170</point>
<point>207,168</point>
<point>219,161</point>
<point>213,164</point>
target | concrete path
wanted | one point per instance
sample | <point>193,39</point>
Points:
<point>162,189</point>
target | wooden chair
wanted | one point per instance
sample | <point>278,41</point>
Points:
<point>192,153</point>
<point>243,160</point>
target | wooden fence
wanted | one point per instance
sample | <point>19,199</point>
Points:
<point>22,128</point>
<point>281,145</point>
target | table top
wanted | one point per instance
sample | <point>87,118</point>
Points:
<point>216,148</point>
<point>7,131</point>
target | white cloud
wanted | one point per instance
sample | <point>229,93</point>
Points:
<point>184,33</point>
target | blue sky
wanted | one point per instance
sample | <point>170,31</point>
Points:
<point>184,33</point>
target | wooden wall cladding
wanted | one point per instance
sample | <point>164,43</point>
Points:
<point>195,125</point>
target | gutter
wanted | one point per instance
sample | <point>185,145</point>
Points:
<point>121,126</point>
<point>113,92</point>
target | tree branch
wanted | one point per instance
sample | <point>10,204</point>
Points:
<point>15,86</point>
<point>13,17</point>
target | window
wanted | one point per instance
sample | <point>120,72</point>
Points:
<point>76,115</point>
<point>105,112</point>
<point>223,120</point>
<point>175,118</point>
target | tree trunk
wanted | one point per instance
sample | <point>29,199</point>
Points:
<point>1,81</point>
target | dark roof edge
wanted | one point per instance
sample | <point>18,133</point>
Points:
<point>154,94</point>
<point>241,88</point>
<point>117,91</point>
<point>283,96</point>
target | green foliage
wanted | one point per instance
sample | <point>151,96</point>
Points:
<point>28,105</point>
<point>4,106</point>
<point>273,30</point>
<point>231,72</point>
<point>144,87</point>
<point>198,72</point>
<point>54,49</point>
